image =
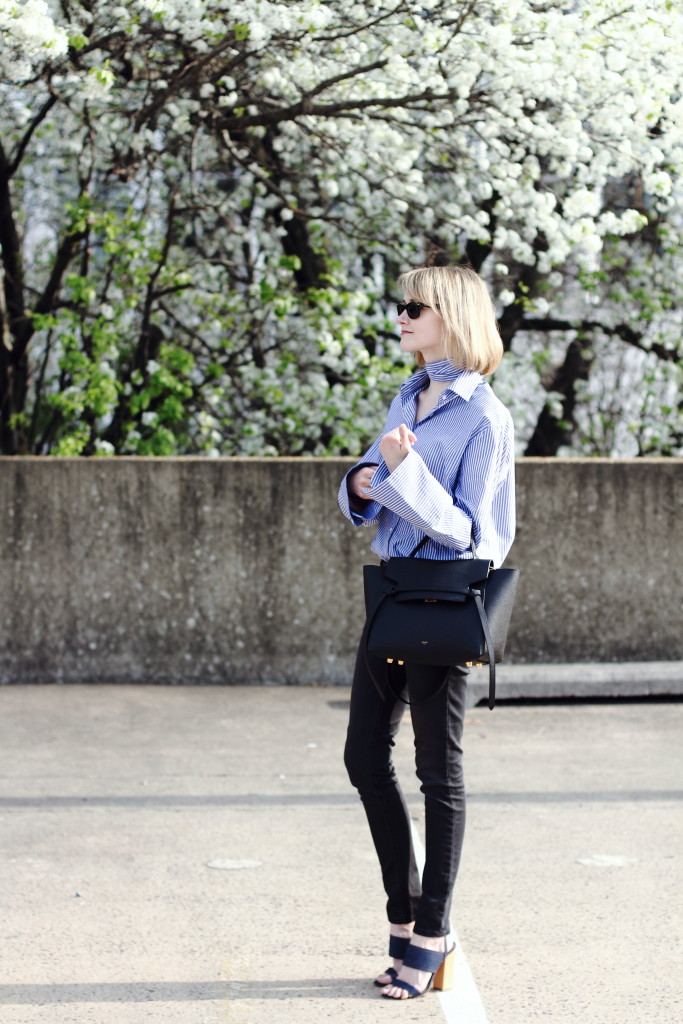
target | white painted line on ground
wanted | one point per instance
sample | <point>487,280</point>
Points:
<point>463,1004</point>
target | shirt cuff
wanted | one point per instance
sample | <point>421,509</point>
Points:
<point>385,484</point>
<point>370,510</point>
<point>414,494</point>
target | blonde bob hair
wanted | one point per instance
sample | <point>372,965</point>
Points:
<point>460,298</point>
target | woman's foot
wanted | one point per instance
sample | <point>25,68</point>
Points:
<point>397,931</point>
<point>418,980</point>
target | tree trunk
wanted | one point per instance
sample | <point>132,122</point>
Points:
<point>551,432</point>
<point>13,362</point>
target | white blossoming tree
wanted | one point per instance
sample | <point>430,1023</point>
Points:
<point>203,208</point>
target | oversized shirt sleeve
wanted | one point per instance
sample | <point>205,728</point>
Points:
<point>413,493</point>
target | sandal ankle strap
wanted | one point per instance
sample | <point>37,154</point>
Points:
<point>423,959</point>
<point>398,946</point>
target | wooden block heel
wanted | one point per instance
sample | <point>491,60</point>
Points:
<point>443,979</point>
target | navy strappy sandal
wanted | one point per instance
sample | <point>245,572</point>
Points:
<point>397,949</point>
<point>439,964</point>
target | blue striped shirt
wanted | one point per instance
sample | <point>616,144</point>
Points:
<point>458,477</point>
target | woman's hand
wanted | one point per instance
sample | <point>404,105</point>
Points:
<point>359,481</point>
<point>395,445</point>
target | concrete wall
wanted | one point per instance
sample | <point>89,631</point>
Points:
<point>243,570</point>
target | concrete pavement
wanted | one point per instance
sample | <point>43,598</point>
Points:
<point>195,854</point>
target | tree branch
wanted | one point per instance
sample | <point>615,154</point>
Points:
<point>28,134</point>
<point>363,27</point>
<point>304,107</point>
<point>344,76</point>
<point>181,76</point>
<point>46,301</point>
<point>634,338</point>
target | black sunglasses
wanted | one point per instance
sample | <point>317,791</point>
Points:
<point>413,309</point>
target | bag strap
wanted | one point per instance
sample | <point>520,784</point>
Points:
<point>484,619</point>
<point>399,696</point>
<point>364,640</point>
<point>421,544</point>
<point>387,668</point>
<point>417,547</point>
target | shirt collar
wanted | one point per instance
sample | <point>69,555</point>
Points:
<point>463,384</point>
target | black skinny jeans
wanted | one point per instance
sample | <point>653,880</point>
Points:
<point>437,725</point>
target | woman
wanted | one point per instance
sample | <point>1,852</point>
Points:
<point>443,467</point>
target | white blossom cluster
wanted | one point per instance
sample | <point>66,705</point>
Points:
<point>320,148</point>
<point>28,34</point>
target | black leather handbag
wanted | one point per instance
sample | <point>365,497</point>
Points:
<point>433,612</point>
